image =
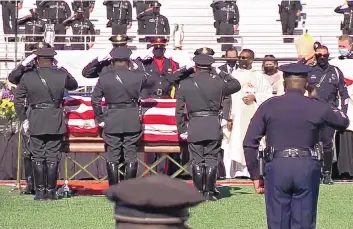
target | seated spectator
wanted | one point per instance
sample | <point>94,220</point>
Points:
<point>275,77</point>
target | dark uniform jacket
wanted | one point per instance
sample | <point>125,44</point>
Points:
<point>331,81</point>
<point>81,4</point>
<point>119,11</point>
<point>289,121</point>
<point>56,11</point>
<point>119,120</point>
<point>154,24</point>
<point>51,119</point>
<point>291,6</point>
<point>81,26</point>
<point>226,12</point>
<point>33,28</point>
<point>348,16</point>
<point>227,101</point>
<point>215,88</point>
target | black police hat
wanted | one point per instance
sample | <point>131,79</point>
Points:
<point>205,50</point>
<point>155,197</point>
<point>120,53</point>
<point>45,52</point>
<point>295,69</point>
<point>203,61</point>
<point>120,39</point>
<point>155,5</point>
<point>159,42</point>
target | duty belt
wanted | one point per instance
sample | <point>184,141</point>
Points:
<point>203,114</point>
<point>120,21</point>
<point>44,106</point>
<point>122,105</point>
<point>292,152</point>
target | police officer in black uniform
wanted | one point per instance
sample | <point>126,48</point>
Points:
<point>329,84</point>
<point>34,29</point>
<point>153,21</point>
<point>119,15</point>
<point>226,14</point>
<point>203,92</point>
<point>289,11</point>
<point>9,15</point>
<point>43,87</point>
<point>347,25</point>
<point>291,124</point>
<point>141,6</point>
<point>87,6</point>
<point>81,26</point>
<point>56,12</point>
<point>122,126</point>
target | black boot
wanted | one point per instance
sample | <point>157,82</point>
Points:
<point>113,173</point>
<point>328,160</point>
<point>131,170</point>
<point>38,172</point>
<point>52,176</point>
<point>27,162</point>
<point>210,185</point>
<point>198,173</point>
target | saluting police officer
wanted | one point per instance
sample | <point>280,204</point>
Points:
<point>87,6</point>
<point>203,92</point>
<point>119,15</point>
<point>289,11</point>
<point>347,10</point>
<point>121,124</point>
<point>34,29</point>
<point>291,124</point>
<point>9,15</point>
<point>153,21</point>
<point>141,6</point>
<point>81,26</point>
<point>43,87</point>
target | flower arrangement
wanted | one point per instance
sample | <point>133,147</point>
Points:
<point>7,106</point>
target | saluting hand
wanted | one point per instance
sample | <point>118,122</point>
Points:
<point>259,186</point>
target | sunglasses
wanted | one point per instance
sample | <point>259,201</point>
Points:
<point>244,57</point>
<point>322,55</point>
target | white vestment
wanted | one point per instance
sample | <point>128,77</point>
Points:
<point>252,82</point>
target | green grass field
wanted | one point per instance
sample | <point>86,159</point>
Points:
<point>239,208</point>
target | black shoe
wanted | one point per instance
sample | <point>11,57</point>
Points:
<point>131,170</point>
<point>210,184</point>
<point>327,179</point>
<point>113,173</point>
<point>52,176</point>
<point>198,172</point>
<point>38,171</point>
<point>29,190</point>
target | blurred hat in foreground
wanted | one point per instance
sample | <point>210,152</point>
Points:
<point>205,50</point>
<point>120,39</point>
<point>295,69</point>
<point>45,52</point>
<point>203,61</point>
<point>120,53</point>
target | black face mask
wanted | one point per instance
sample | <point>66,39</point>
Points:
<point>79,16</point>
<point>243,64</point>
<point>159,53</point>
<point>156,12</point>
<point>322,61</point>
<point>270,69</point>
<point>34,16</point>
<point>350,3</point>
<point>231,63</point>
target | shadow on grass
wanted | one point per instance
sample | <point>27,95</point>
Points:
<point>228,191</point>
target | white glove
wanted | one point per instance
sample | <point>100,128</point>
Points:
<point>218,70</point>
<point>184,136</point>
<point>148,54</point>
<point>28,59</point>
<point>134,65</point>
<point>223,122</point>
<point>25,126</point>
<point>102,124</point>
<point>103,57</point>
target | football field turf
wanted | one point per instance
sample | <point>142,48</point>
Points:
<point>239,208</point>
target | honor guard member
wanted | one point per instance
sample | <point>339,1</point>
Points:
<point>43,88</point>
<point>156,201</point>
<point>87,6</point>
<point>141,6</point>
<point>56,12</point>
<point>347,10</point>
<point>329,84</point>
<point>34,30</point>
<point>154,23</point>
<point>9,16</point>
<point>226,14</point>
<point>81,26</point>
<point>101,63</point>
<point>291,124</point>
<point>202,94</point>
<point>289,11</point>
<point>119,15</point>
<point>121,125</point>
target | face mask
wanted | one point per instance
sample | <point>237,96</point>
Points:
<point>231,63</point>
<point>322,61</point>
<point>344,52</point>
<point>79,16</point>
<point>269,69</point>
<point>159,53</point>
<point>243,64</point>
<point>156,11</point>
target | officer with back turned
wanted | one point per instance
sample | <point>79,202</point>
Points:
<point>203,92</point>
<point>122,128</point>
<point>291,124</point>
<point>43,88</point>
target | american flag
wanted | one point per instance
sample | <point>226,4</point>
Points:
<point>158,119</point>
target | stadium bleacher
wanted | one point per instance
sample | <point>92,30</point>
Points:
<point>259,28</point>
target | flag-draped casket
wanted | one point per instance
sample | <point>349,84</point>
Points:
<point>159,123</point>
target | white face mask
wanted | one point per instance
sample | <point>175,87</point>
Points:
<point>344,52</point>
